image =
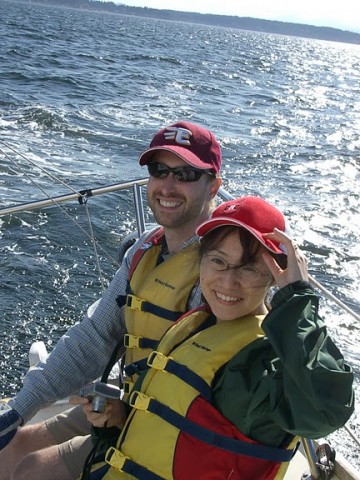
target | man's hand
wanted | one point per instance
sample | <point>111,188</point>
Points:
<point>114,414</point>
<point>9,422</point>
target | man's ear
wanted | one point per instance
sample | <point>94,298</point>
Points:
<point>215,184</point>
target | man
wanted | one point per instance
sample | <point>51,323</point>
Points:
<point>184,161</point>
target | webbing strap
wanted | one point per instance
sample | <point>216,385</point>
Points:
<point>123,463</point>
<point>136,368</point>
<point>148,343</point>
<point>212,438</point>
<point>182,372</point>
<point>142,305</point>
<point>133,341</point>
<point>99,473</point>
<point>139,471</point>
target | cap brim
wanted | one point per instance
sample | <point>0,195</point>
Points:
<point>181,152</point>
<point>211,224</point>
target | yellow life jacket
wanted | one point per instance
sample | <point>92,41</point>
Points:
<point>158,296</point>
<point>174,431</point>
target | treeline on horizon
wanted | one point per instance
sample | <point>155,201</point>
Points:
<point>244,23</point>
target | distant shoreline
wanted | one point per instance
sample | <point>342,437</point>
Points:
<point>242,23</point>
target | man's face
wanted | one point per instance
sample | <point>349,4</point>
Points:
<point>178,204</point>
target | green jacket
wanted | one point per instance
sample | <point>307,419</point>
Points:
<point>294,380</point>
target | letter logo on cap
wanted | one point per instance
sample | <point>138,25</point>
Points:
<point>180,135</point>
<point>230,208</point>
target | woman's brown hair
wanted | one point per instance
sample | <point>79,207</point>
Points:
<point>250,244</point>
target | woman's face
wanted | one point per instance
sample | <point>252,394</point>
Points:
<point>234,293</point>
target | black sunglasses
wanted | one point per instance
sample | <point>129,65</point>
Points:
<point>182,174</point>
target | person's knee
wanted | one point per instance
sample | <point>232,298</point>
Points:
<point>19,446</point>
<point>22,470</point>
<point>30,438</point>
<point>44,464</point>
<point>22,435</point>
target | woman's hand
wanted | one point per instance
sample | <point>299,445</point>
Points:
<point>296,261</point>
<point>114,414</point>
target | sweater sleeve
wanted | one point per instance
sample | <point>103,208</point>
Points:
<point>81,355</point>
<point>293,381</point>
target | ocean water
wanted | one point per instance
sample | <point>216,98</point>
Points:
<point>81,94</point>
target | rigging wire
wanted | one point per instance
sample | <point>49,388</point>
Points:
<point>94,245</point>
<point>352,435</point>
<point>312,280</point>
<point>332,297</point>
<point>43,170</point>
<point>82,201</point>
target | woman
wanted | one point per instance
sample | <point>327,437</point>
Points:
<point>231,385</point>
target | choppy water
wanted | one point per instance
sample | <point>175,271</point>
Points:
<point>81,94</point>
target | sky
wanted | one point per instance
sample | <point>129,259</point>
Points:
<point>343,14</point>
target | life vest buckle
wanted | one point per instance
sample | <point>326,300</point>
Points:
<point>134,302</point>
<point>131,341</point>
<point>139,400</point>
<point>157,360</point>
<point>115,458</point>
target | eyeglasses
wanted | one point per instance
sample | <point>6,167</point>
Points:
<point>182,174</point>
<point>246,273</point>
